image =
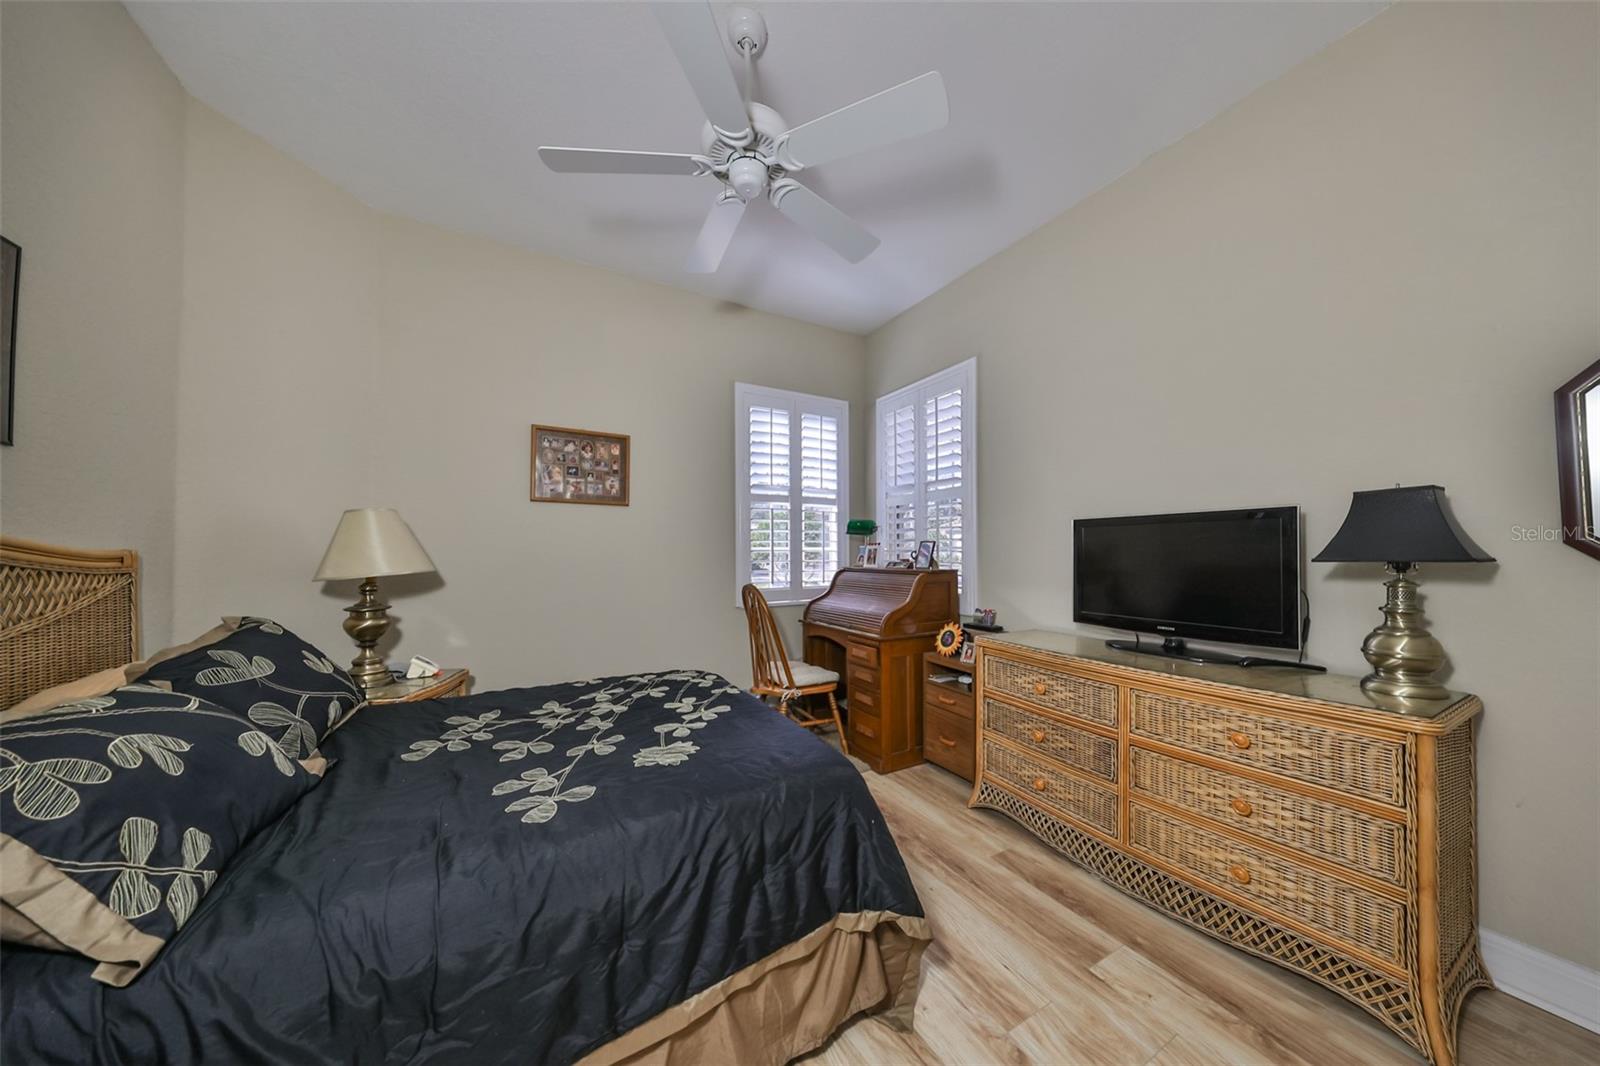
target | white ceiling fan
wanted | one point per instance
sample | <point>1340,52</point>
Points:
<point>748,147</point>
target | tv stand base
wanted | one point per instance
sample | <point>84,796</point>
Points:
<point>1176,648</point>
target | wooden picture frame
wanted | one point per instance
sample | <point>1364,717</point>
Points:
<point>579,466</point>
<point>1578,459</point>
<point>10,279</point>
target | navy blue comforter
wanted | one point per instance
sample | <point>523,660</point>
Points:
<point>518,876</point>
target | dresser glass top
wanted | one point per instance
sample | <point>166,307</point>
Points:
<point>1327,688</point>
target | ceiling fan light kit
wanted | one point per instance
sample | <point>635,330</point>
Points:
<point>750,149</point>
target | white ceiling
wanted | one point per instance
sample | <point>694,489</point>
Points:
<point>435,111</point>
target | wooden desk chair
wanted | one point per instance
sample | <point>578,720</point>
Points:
<point>778,675</point>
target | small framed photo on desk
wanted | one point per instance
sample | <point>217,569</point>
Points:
<point>925,554</point>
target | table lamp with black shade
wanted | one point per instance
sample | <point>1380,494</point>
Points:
<point>1401,527</point>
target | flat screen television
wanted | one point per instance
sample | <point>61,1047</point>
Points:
<point>1227,576</point>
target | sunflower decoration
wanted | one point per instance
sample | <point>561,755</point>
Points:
<point>949,641</point>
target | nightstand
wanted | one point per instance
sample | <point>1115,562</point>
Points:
<point>948,714</point>
<point>449,682</point>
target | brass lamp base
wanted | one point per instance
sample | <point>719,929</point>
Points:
<point>1403,654</point>
<point>368,622</point>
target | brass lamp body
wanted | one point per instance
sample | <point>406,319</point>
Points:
<point>1403,654</point>
<point>368,621</point>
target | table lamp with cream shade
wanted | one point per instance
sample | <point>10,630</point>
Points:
<point>369,543</point>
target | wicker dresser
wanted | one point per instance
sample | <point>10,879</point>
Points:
<point>1287,813</point>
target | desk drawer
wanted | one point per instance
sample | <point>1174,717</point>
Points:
<point>861,677</point>
<point>861,655</point>
<point>953,699</point>
<point>866,700</point>
<point>947,741</point>
<point>1053,739</point>
<point>1324,905</point>
<point>1372,767</point>
<point>1093,701</point>
<point>866,731</point>
<point>1355,839</point>
<point>1038,780</point>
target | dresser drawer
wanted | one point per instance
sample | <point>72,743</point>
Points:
<point>1326,906</point>
<point>1042,782</point>
<point>1361,841</point>
<point>955,699</point>
<point>947,740</point>
<point>1052,738</point>
<point>1093,701</point>
<point>1320,755</point>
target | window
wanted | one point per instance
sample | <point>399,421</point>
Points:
<point>927,436</point>
<point>792,486</point>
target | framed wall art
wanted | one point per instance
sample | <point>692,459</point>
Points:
<point>579,466</point>
<point>10,272</point>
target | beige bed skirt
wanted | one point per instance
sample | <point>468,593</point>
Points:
<point>790,1002</point>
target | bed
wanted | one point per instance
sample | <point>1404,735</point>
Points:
<point>644,868</point>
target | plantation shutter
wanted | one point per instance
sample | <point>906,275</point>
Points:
<point>926,490</point>
<point>897,518</point>
<point>792,490</point>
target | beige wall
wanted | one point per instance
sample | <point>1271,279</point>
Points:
<point>334,357</point>
<point>479,341</point>
<point>279,414</point>
<point>91,188</point>
<point>1375,270</point>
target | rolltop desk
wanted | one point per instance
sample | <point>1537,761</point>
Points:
<point>1289,814</point>
<point>871,627</point>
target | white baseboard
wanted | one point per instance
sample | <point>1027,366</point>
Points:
<point>1547,981</point>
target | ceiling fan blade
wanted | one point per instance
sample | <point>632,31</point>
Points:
<point>911,108</point>
<point>692,31</point>
<point>822,220</point>
<point>609,161</point>
<point>715,235</point>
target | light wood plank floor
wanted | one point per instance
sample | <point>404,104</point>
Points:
<point>1036,961</point>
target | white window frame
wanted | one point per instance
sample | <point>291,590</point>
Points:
<point>963,375</point>
<point>746,396</point>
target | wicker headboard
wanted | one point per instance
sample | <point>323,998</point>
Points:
<point>64,613</point>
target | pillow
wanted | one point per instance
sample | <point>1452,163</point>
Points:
<point>96,684</point>
<point>269,675</point>
<point>121,810</point>
<point>209,637</point>
<point>103,681</point>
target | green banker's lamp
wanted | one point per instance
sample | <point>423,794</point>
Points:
<point>860,527</point>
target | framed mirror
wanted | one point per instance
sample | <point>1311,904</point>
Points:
<point>1578,459</point>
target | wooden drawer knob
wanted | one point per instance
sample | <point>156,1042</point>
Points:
<point>1239,874</point>
<point>1242,807</point>
<point>942,698</point>
<point>1038,736</point>
<point>1040,688</point>
<point>946,741</point>
<point>1239,740</point>
<point>1040,784</point>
